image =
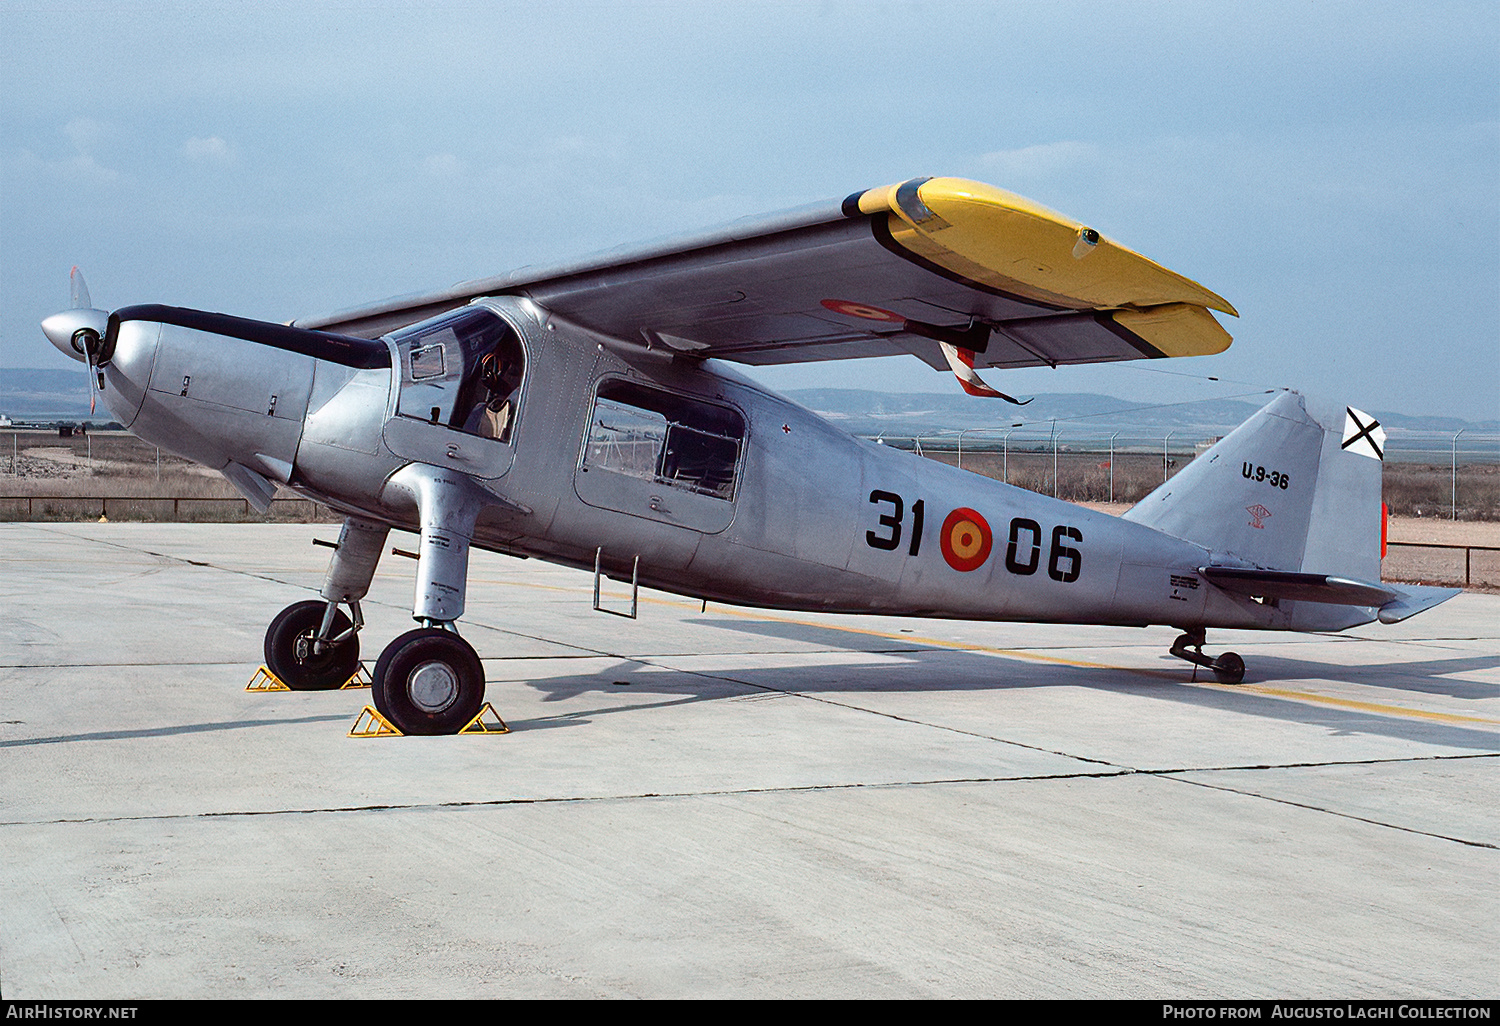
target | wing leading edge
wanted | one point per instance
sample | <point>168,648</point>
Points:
<point>904,269</point>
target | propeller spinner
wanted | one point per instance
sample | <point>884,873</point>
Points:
<point>79,333</point>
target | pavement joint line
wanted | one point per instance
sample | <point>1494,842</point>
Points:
<point>1171,774</point>
<point>1328,811</point>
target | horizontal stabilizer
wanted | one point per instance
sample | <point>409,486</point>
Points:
<point>1412,599</point>
<point>1299,587</point>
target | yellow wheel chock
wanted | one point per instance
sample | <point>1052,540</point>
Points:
<point>265,680</point>
<point>486,724</point>
<point>371,724</point>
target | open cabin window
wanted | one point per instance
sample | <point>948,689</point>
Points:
<point>462,371</point>
<point>665,438</point>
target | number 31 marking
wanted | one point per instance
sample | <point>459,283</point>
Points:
<point>892,522</point>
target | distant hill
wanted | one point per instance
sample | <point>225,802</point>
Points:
<point>873,413</point>
<point>45,394</point>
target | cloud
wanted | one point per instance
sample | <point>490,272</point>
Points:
<point>1039,161</point>
<point>212,150</point>
<point>445,165</point>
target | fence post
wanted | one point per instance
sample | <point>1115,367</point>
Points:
<point>1112,465</point>
<point>1164,442</point>
<point>1453,480</point>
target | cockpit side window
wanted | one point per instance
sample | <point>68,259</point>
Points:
<point>463,371</point>
<point>665,438</point>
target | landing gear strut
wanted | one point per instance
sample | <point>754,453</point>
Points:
<point>430,681</point>
<point>1228,668</point>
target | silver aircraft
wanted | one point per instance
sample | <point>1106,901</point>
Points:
<point>586,414</point>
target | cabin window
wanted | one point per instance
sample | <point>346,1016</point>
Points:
<point>665,438</point>
<point>462,371</point>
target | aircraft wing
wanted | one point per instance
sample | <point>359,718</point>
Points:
<point>893,270</point>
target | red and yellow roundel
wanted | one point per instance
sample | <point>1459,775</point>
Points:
<point>966,539</point>
<point>870,313</point>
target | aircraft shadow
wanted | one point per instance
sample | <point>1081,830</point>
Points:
<point>914,668</point>
<point>185,728</point>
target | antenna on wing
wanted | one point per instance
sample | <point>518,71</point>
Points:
<point>962,362</point>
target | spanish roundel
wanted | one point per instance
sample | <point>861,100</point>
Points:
<point>966,539</point>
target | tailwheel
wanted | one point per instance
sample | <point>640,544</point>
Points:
<point>294,655</point>
<point>1228,668</point>
<point>429,681</point>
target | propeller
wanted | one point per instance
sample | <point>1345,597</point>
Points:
<point>80,333</point>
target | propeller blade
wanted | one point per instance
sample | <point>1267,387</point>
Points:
<point>80,291</point>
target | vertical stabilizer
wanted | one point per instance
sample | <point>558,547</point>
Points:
<point>1294,488</point>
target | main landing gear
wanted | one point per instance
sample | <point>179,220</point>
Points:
<point>1228,668</point>
<point>307,654</point>
<point>427,681</point>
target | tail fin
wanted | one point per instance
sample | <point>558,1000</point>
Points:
<point>1282,492</point>
<point>1295,492</point>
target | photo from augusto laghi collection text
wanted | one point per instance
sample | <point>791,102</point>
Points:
<point>1359,1010</point>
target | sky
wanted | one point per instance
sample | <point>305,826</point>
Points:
<point>1331,168</point>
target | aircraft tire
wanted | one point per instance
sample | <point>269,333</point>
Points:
<point>429,681</point>
<point>313,671</point>
<point>1229,668</point>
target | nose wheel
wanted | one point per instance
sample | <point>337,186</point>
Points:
<point>298,660</point>
<point>1228,668</point>
<point>429,681</point>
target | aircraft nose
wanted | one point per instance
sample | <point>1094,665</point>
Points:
<point>128,372</point>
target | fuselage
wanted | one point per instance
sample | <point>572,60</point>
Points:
<point>594,447</point>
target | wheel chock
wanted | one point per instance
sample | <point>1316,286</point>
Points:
<point>487,722</point>
<point>265,680</point>
<point>372,724</point>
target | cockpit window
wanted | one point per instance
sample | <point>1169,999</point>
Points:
<point>463,371</point>
<point>665,438</point>
<point>427,362</point>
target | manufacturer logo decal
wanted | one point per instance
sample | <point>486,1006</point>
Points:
<point>966,540</point>
<point>1258,514</point>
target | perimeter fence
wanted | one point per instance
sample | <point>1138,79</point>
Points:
<point>1452,476</point>
<point>87,475</point>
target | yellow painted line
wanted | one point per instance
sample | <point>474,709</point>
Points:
<point>1305,696</point>
<point>1349,703</point>
<point>758,615</point>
